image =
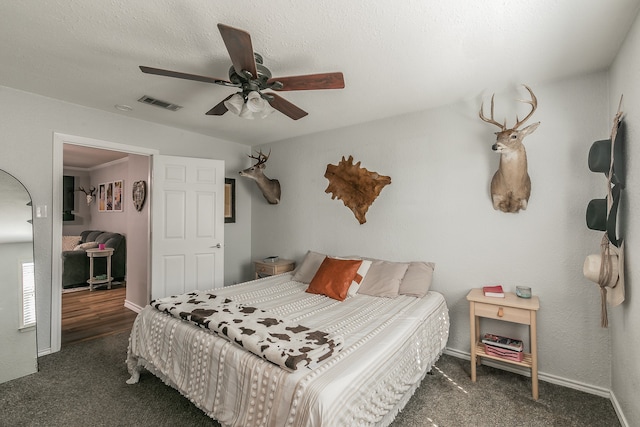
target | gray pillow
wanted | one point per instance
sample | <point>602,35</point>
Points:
<point>103,237</point>
<point>383,279</point>
<point>417,280</point>
<point>91,236</point>
<point>308,267</point>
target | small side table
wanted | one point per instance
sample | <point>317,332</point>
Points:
<point>264,269</point>
<point>99,253</point>
<point>511,308</point>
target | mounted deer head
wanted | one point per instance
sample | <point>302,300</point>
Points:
<point>270,187</point>
<point>511,185</point>
<point>89,194</point>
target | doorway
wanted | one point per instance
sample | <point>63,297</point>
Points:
<point>89,314</point>
<point>137,291</point>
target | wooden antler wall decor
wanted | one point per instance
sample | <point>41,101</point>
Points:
<point>355,186</point>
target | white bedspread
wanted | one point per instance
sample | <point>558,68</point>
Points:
<point>389,345</point>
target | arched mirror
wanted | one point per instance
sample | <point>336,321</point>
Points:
<point>18,351</point>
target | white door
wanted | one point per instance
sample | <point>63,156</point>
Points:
<point>187,236</point>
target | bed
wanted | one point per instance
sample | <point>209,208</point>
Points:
<point>386,340</point>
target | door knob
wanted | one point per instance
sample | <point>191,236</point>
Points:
<point>218,246</point>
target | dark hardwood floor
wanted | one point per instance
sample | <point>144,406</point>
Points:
<point>93,314</point>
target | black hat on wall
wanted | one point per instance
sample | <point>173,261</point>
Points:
<point>600,156</point>
<point>597,215</point>
<point>600,220</point>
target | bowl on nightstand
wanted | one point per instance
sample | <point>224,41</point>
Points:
<point>523,291</point>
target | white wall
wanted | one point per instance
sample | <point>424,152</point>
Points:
<point>624,321</point>
<point>28,123</point>
<point>137,234</point>
<point>438,209</point>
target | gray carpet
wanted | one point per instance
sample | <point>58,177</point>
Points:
<point>84,385</point>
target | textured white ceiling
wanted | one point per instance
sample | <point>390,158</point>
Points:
<point>397,57</point>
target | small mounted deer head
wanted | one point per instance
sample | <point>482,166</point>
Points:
<point>89,193</point>
<point>511,185</point>
<point>270,187</point>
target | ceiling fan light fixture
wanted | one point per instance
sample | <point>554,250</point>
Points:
<point>235,104</point>
<point>246,113</point>
<point>266,111</point>
<point>249,74</point>
<point>255,103</point>
<point>254,107</point>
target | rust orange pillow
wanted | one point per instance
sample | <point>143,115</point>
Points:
<point>334,277</point>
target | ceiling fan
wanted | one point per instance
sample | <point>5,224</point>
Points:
<point>248,74</point>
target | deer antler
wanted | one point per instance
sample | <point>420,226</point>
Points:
<point>262,158</point>
<point>534,106</point>
<point>491,120</point>
<point>91,191</point>
<point>533,103</point>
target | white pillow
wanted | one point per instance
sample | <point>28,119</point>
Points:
<point>85,246</point>
<point>417,280</point>
<point>308,267</point>
<point>383,279</point>
<point>70,242</point>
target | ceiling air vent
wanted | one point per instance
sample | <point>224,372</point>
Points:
<point>162,104</point>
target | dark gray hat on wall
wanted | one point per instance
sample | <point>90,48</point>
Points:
<point>597,214</point>
<point>600,157</point>
<point>597,218</point>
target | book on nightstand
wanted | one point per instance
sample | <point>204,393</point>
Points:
<point>504,342</point>
<point>493,291</point>
<point>503,353</point>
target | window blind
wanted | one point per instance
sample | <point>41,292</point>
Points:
<point>28,295</point>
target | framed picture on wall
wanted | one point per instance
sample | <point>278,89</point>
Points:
<point>110,196</point>
<point>117,196</point>
<point>229,200</point>
<point>102,197</point>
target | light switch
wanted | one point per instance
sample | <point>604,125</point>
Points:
<point>41,211</point>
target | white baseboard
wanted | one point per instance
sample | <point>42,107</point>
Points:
<point>553,379</point>
<point>619,413</point>
<point>44,352</point>
<point>133,307</point>
<point>564,382</point>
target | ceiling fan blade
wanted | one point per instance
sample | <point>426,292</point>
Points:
<point>310,82</point>
<point>238,43</point>
<point>179,75</point>
<point>285,107</point>
<point>220,108</point>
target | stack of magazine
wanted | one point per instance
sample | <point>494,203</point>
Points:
<point>507,348</point>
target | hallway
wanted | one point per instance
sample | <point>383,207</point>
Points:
<point>87,315</point>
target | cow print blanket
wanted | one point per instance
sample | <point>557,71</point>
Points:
<point>282,342</point>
